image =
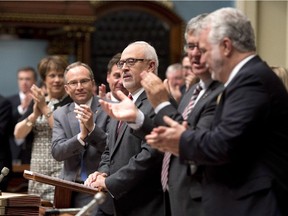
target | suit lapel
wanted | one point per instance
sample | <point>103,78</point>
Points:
<point>186,99</point>
<point>202,101</point>
<point>95,106</point>
<point>73,121</point>
<point>113,141</point>
<point>125,126</point>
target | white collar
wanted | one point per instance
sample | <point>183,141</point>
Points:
<point>237,68</point>
<point>136,94</point>
<point>89,102</point>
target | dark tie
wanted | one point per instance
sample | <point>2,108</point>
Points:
<point>120,123</point>
<point>167,155</point>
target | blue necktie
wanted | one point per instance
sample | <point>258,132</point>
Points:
<point>83,173</point>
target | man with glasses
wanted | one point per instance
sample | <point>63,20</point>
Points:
<point>181,182</point>
<point>79,132</point>
<point>130,169</point>
<point>189,76</point>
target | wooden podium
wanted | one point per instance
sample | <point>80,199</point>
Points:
<point>63,189</point>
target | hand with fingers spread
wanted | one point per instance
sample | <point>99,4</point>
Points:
<point>167,139</point>
<point>125,110</point>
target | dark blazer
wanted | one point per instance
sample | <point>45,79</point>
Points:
<point>22,152</point>
<point>5,131</point>
<point>245,155</point>
<point>67,148</point>
<point>133,169</point>
<point>185,190</point>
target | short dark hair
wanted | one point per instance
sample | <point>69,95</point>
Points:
<point>115,59</point>
<point>28,68</point>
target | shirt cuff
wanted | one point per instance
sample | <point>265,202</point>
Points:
<point>161,106</point>
<point>138,122</point>
<point>92,130</point>
<point>80,140</point>
<point>21,110</point>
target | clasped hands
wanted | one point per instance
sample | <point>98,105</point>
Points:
<point>96,180</point>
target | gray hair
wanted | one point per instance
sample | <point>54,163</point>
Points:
<point>194,24</point>
<point>149,52</point>
<point>231,23</point>
<point>173,68</point>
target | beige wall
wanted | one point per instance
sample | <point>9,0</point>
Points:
<point>270,21</point>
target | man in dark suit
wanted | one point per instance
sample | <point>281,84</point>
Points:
<point>245,153</point>
<point>21,149</point>
<point>5,131</point>
<point>130,169</point>
<point>79,132</point>
<point>184,190</point>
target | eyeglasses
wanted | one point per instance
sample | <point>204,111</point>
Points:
<point>129,62</point>
<point>187,67</point>
<point>190,46</point>
<point>74,83</point>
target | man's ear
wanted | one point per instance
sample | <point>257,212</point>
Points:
<point>227,46</point>
<point>152,66</point>
<point>66,89</point>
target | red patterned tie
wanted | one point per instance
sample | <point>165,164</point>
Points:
<point>167,155</point>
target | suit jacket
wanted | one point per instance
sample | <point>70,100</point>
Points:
<point>184,190</point>
<point>133,169</point>
<point>67,148</point>
<point>22,152</point>
<point>245,155</point>
<point>5,131</point>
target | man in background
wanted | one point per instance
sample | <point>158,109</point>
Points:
<point>174,81</point>
<point>114,80</point>
<point>21,148</point>
<point>189,77</point>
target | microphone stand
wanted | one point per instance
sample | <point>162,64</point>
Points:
<point>4,172</point>
<point>98,199</point>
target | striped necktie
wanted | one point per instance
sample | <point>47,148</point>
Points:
<point>167,155</point>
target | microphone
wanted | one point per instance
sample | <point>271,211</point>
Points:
<point>4,172</point>
<point>98,199</point>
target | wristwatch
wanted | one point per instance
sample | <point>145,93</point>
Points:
<point>29,123</point>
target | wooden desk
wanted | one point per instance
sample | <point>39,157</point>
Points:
<point>17,183</point>
<point>20,168</point>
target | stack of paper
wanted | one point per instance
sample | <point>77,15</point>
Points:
<point>19,204</point>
